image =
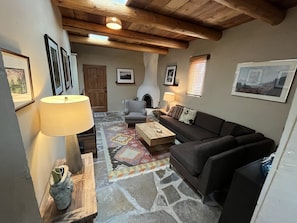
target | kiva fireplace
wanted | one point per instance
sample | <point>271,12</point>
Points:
<point>149,91</point>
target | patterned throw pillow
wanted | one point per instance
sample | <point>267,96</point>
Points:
<point>171,111</point>
<point>188,116</point>
<point>177,111</point>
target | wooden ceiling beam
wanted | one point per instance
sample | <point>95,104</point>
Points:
<point>73,25</point>
<point>117,45</point>
<point>257,9</point>
<point>108,8</point>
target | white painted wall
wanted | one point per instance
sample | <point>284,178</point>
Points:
<point>252,42</point>
<point>15,205</point>
<point>23,25</point>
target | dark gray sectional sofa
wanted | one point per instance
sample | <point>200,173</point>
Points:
<point>212,149</point>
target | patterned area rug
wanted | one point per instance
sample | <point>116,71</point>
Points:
<point>126,156</point>
<point>107,117</point>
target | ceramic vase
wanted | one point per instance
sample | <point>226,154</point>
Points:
<point>61,189</point>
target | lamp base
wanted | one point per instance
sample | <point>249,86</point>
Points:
<point>73,156</point>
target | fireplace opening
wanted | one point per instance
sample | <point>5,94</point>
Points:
<point>148,99</point>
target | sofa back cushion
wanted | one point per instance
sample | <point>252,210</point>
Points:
<point>234,129</point>
<point>249,138</point>
<point>209,122</point>
<point>257,150</point>
<point>135,106</point>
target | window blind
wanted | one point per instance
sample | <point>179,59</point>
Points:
<point>196,75</point>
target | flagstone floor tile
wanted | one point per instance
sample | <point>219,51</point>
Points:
<point>142,189</point>
<point>171,194</point>
<point>159,216</point>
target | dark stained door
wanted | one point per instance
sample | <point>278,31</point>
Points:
<point>96,86</point>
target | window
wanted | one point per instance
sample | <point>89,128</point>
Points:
<point>196,75</point>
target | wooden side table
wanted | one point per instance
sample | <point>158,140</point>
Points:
<point>83,207</point>
<point>87,141</point>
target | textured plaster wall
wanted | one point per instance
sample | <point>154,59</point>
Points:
<point>22,31</point>
<point>112,59</point>
<point>251,42</point>
<point>19,203</point>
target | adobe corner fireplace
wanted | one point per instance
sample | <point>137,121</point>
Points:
<point>149,91</point>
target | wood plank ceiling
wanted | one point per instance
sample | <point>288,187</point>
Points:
<point>158,25</point>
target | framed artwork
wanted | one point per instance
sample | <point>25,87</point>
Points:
<point>17,68</point>
<point>125,76</point>
<point>170,75</point>
<point>69,64</point>
<point>269,80</point>
<point>52,50</point>
<point>66,68</point>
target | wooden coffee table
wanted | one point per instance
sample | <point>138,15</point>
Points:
<point>154,134</point>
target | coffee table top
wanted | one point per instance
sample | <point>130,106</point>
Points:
<point>154,133</point>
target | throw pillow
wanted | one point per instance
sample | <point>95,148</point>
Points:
<point>171,111</point>
<point>177,111</point>
<point>188,116</point>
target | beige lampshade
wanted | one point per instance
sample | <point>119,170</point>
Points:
<point>169,96</point>
<point>65,115</point>
<point>113,23</point>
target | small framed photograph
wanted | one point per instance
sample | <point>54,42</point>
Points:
<point>52,50</point>
<point>170,75</point>
<point>17,68</point>
<point>66,68</point>
<point>125,76</point>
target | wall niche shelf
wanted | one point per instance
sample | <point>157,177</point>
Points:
<point>125,83</point>
<point>173,85</point>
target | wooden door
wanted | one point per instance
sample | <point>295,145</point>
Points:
<point>96,86</point>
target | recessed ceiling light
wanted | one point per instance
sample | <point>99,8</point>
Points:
<point>98,37</point>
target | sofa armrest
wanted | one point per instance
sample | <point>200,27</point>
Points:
<point>144,112</point>
<point>126,111</point>
<point>219,169</point>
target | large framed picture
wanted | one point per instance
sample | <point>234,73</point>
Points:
<point>170,75</point>
<point>52,50</point>
<point>17,68</point>
<point>269,80</point>
<point>125,76</point>
<point>66,68</point>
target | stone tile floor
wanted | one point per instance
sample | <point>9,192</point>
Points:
<point>160,196</point>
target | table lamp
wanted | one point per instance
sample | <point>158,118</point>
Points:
<point>169,97</point>
<point>67,115</point>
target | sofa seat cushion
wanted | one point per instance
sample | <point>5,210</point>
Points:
<point>193,155</point>
<point>135,117</point>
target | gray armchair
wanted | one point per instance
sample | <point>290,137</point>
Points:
<point>135,112</point>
